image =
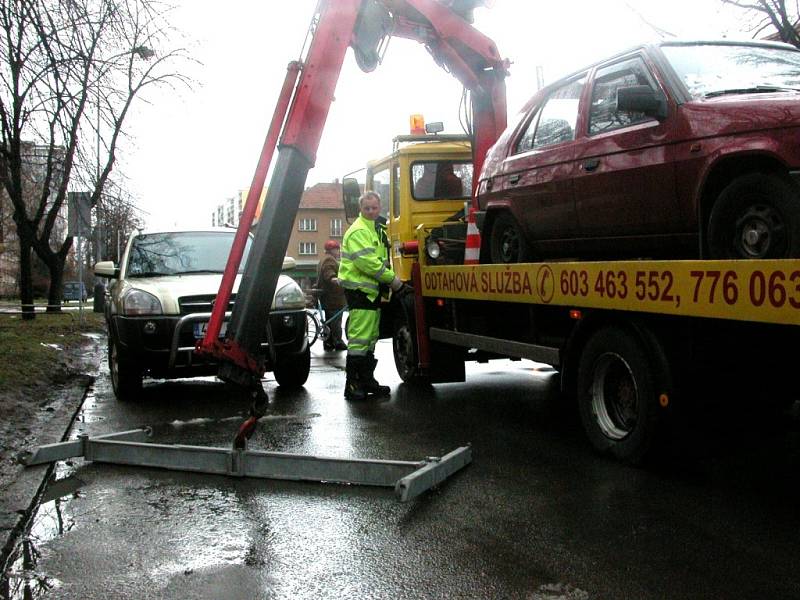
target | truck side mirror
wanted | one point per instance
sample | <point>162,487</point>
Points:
<point>351,191</point>
<point>643,99</point>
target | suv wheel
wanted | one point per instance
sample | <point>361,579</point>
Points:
<point>507,243</point>
<point>126,375</point>
<point>755,216</point>
<point>292,371</point>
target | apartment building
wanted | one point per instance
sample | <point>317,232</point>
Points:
<point>320,218</point>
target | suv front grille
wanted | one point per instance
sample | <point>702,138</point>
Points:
<point>200,304</point>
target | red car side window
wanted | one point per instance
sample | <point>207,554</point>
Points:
<point>555,122</point>
<point>603,115</point>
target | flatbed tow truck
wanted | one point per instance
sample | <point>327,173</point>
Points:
<point>628,338</point>
<point>631,339</point>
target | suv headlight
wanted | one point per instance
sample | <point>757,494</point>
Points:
<point>137,302</point>
<point>290,296</point>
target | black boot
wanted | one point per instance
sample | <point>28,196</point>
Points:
<point>353,387</point>
<point>368,382</point>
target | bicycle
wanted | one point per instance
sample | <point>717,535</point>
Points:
<point>316,327</point>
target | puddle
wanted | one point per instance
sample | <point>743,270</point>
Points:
<point>87,412</point>
<point>559,591</point>
<point>239,418</point>
<point>22,580</point>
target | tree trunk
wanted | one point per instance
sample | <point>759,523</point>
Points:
<point>54,261</point>
<point>55,293</point>
<point>25,275</point>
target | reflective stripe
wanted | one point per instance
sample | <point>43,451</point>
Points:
<point>354,285</point>
<point>357,253</point>
<point>359,341</point>
<point>351,352</point>
<point>381,272</point>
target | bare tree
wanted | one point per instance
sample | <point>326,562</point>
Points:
<point>778,16</point>
<point>119,217</point>
<point>70,70</point>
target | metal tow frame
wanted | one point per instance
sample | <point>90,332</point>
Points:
<point>409,479</point>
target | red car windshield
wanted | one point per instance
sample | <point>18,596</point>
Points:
<point>710,70</point>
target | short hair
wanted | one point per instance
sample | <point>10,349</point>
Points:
<point>369,194</point>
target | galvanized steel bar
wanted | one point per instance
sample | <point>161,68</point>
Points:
<point>433,473</point>
<point>295,467</point>
<point>409,479</point>
<point>74,448</point>
<point>52,452</point>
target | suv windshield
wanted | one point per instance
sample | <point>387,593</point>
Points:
<point>181,252</point>
<point>717,69</point>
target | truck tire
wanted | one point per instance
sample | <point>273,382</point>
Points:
<point>507,243</point>
<point>126,375</point>
<point>618,388</point>
<point>404,347</point>
<point>756,216</point>
<point>292,371</point>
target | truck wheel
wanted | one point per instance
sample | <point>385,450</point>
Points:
<point>507,244</point>
<point>292,371</point>
<point>617,399</point>
<point>755,216</point>
<point>126,375</point>
<point>404,346</point>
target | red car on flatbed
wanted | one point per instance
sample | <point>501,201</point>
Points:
<point>675,150</point>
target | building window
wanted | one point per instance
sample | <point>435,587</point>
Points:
<point>336,228</point>
<point>308,248</point>
<point>307,225</point>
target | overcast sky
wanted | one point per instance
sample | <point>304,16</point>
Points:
<point>192,150</point>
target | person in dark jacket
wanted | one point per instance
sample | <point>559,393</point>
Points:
<point>332,295</point>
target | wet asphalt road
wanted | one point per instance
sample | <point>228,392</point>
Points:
<point>536,515</point>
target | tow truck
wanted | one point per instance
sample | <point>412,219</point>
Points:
<point>630,339</point>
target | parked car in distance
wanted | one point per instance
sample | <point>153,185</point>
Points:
<point>673,150</point>
<point>159,302</point>
<point>75,290</point>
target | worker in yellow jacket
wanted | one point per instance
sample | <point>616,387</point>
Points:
<point>363,271</point>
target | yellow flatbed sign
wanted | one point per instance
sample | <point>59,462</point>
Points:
<point>765,291</point>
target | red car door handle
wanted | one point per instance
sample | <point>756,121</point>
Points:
<point>591,164</point>
<point>513,179</point>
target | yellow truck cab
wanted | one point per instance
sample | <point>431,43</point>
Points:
<point>425,182</point>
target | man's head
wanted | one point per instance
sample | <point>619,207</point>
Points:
<point>370,205</point>
<point>332,247</point>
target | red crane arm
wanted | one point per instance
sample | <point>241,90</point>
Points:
<point>453,42</point>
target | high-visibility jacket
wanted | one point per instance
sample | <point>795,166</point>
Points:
<point>364,261</point>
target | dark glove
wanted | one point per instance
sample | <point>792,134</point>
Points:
<point>403,290</point>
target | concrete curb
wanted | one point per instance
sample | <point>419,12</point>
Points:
<point>19,500</point>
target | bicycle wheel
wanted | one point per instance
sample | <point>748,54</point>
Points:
<point>312,327</point>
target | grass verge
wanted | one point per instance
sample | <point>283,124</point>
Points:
<point>37,351</point>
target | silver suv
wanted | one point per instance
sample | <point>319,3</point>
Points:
<point>160,299</point>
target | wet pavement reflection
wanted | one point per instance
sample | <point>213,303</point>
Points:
<point>536,516</point>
